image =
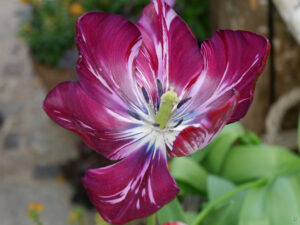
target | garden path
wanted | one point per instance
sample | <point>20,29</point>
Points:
<point>31,146</point>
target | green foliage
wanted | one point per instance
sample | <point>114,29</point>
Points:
<point>171,212</point>
<point>245,163</point>
<point>191,176</point>
<point>196,14</point>
<point>227,212</point>
<point>245,182</point>
<point>76,216</point>
<point>51,29</point>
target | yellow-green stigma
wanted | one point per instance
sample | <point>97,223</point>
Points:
<point>168,99</point>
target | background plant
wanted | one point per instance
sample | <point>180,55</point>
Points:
<point>241,182</point>
<point>50,29</point>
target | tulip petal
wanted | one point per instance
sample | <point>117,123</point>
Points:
<point>135,187</point>
<point>174,223</point>
<point>197,136</point>
<point>170,52</point>
<point>233,60</point>
<point>108,45</point>
<point>102,129</point>
<point>169,2</point>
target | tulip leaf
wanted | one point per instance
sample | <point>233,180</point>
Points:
<point>190,216</point>
<point>284,201</point>
<point>276,203</point>
<point>217,187</point>
<point>228,212</point>
<point>249,138</point>
<point>244,163</point>
<point>186,171</point>
<point>254,210</point>
<point>201,154</point>
<point>171,212</point>
<point>219,148</point>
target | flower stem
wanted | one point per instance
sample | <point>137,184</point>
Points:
<point>226,196</point>
<point>151,220</point>
<point>37,221</point>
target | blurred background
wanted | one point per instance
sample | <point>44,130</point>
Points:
<point>41,162</point>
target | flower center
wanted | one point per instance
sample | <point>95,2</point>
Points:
<point>168,100</point>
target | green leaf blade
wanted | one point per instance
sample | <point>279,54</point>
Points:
<point>186,171</point>
<point>171,212</point>
<point>245,163</point>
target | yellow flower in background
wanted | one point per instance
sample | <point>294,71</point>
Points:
<point>73,217</point>
<point>76,216</point>
<point>34,209</point>
<point>36,206</point>
<point>25,1</point>
<point>76,9</point>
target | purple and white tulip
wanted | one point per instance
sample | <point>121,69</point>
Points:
<point>146,91</point>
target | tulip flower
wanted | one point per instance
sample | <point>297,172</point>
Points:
<point>146,91</point>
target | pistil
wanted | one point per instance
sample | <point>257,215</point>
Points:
<point>168,100</point>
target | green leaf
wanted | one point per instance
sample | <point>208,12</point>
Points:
<point>284,201</point>
<point>190,216</point>
<point>171,212</point>
<point>228,212</point>
<point>249,138</point>
<point>201,154</point>
<point>186,189</point>
<point>219,148</point>
<point>277,203</point>
<point>217,187</point>
<point>254,209</point>
<point>186,171</point>
<point>244,163</point>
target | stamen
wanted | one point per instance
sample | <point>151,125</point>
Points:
<point>159,88</point>
<point>180,122</point>
<point>134,115</point>
<point>182,102</point>
<point>145,94</point>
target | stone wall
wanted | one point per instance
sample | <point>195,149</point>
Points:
<point>279,77</point>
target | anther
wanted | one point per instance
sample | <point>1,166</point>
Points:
<point>156,124</point>
<point>134,115</point>
<point>182,102</point>
<point>157,105</point>
<point>159,87</point>
<point>146,97</point>
<point>180,122</point>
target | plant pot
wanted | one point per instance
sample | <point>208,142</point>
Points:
<point>52,76</point>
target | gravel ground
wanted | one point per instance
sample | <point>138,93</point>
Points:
<point>31,146</point>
